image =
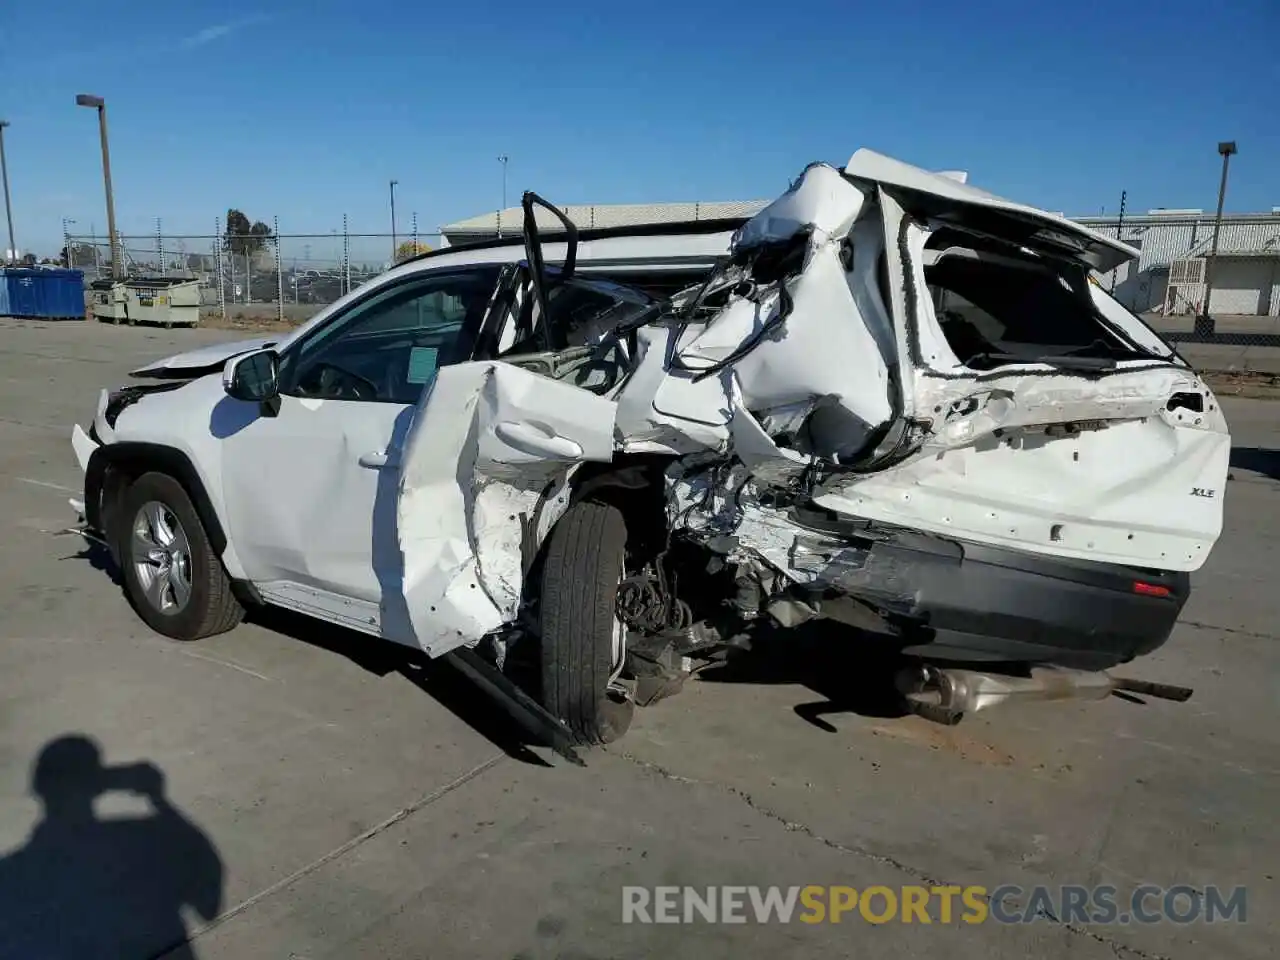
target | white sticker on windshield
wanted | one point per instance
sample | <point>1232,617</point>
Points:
<point>422,364</point>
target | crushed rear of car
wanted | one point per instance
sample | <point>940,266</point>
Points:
<point>902,404</point>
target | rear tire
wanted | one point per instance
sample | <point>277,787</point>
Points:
<point>581,570</point>
<point>193,598</point>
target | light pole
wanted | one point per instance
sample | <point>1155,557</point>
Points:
<point>4,174</point>
<point>1205,323</point>
<point>88,100</point>
<point>393,222</point>
<point>503,160</point>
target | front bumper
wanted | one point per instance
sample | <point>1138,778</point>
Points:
<point>959,600</point>
<point>83,445</point>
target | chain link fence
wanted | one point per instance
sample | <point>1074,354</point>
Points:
<point>252,278</point>
<point>276,277</point>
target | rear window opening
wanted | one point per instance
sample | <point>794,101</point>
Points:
<point>998,305</point>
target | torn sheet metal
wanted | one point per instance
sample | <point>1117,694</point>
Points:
<point>661,412</point>
<point>806,341</point>
<point>933,349</point>
<point>933,194</point>
<point>488,441</point>
<point>1097,470</point>
<point>821,201</point>
<point>1094,467</point>
<point>820,349</point>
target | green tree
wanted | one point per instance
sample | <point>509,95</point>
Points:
<point>242,237</point>
<point>80,255</point>
<point>411,248</point>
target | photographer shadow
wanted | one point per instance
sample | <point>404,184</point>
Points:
<point>89,886</point>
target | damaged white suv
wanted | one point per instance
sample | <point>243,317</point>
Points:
<point>889,400</point>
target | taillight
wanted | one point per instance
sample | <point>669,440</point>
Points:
<point>1151,589</point>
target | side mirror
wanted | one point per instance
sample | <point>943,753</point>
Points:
<point>253,377</point>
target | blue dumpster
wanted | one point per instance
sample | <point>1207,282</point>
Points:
<point>42,293</point>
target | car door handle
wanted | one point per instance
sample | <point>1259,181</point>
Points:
<point>537,440</point>
<point>377,459</point>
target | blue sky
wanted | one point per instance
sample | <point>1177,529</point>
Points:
<point>306,110</point>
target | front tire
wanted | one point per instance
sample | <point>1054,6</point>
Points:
<point>172,576</point>
<point>581,570</point>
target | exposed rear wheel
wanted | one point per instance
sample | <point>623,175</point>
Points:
<point>172,577</point>
<point>582,638</point>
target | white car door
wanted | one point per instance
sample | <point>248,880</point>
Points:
<point>489,442</point>
<point>311,491</point>
<point>483,478</point>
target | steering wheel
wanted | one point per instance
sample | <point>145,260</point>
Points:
<point>328,381</point>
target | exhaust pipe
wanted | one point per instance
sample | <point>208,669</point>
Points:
<point>946,694</point>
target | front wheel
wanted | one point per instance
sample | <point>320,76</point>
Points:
<point>172,576</point>
<point>582,637</point>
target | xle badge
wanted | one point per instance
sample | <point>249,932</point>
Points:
<point>1202,492</point>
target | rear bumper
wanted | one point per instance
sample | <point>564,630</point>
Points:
<point>959,600</point>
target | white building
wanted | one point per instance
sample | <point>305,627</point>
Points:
<point>1246,278</point>
<point>1246,274</point>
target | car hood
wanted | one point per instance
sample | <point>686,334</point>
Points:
<point>201,360</point>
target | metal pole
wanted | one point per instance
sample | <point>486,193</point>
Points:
<point>4,174</point>
<point>346,256</point>
<point>164,267</point>
<point>111,204</point>
<point>1205,323</point>
<point>503,160</point>
<point>1124,194</point>
<point>217,258</point>
<point>393,222</point>
<point>415,234</point>
<point>275,233</point>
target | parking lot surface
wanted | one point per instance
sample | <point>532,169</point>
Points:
<point>319,795</point>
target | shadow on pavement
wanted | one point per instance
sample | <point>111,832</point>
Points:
<point>114,886</point>
<point>838,663</point>
<point>438,678</point>
<point>1257,460</point>
<point>98,557</point>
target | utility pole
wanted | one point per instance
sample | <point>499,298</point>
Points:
<point>4,174</point>
<point>1205,323</point>
<point>88,100</point>
<point>503,160</point>
<point>393,222</point>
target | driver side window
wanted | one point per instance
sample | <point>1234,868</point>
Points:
<point>388,346</point>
